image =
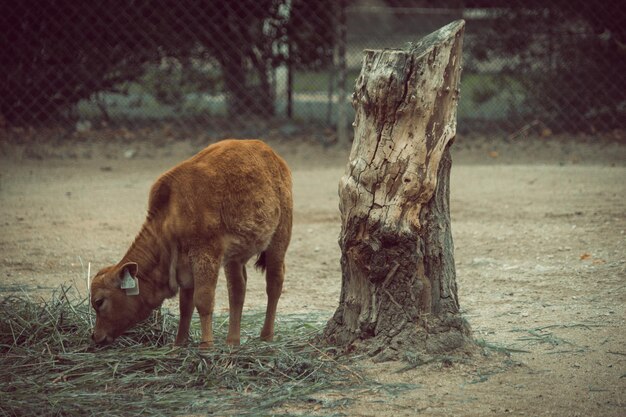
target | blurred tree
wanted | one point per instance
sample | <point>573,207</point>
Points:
<point>569,56</point>
<point>58,52</point>
<point>310,33</point>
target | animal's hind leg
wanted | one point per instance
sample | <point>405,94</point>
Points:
<point>236,278</point>
<point>274,277</point>
<point>275,267</point>
<point>205,264</point>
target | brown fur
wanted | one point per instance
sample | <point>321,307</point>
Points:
<point>224,205</point>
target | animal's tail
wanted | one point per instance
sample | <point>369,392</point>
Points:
<point>260,262</point>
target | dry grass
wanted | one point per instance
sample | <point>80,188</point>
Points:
<point>48,367</point>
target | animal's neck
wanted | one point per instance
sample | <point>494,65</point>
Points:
<point>144,251</point>
<point>151,259</point>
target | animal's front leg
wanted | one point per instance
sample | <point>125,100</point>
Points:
<point>236,278</point>
<point>186,311</point>
<point>205,263</point>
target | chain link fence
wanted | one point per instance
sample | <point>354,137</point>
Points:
<point>247,66</point>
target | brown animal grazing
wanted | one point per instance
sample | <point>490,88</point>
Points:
<point>222,206</point>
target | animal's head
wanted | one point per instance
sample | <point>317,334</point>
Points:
<point>116,301</point>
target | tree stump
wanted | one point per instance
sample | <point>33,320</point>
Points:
<point>399,290</point>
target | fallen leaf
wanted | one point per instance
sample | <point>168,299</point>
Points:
<point>585,256</point>
<point>546,132</point>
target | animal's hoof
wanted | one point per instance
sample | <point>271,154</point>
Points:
<point>233,342</point>
<point>206,345</point>
<point>181,342</point>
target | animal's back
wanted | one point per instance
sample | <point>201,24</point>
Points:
<point>237,190</point>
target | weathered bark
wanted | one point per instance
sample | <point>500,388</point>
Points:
<point>398,277</point>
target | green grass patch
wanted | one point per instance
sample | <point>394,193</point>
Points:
<point>490,97</point>
<point>160,96</point>
<point>498,348</point>
<point>540,336</point>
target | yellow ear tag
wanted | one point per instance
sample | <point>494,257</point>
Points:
<point>130,284</point>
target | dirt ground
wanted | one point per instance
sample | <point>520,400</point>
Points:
<point>539,230</point>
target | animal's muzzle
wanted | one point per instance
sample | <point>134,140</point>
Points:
<point>101,341</point>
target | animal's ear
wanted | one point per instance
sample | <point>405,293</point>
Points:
<point>131,267</point>
<point>127,278</point>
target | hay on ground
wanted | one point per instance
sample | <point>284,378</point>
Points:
<point>49,367</point>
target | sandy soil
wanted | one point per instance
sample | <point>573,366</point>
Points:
<point>539,231</point>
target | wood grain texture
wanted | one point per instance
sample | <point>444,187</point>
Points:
<point>397,251</point>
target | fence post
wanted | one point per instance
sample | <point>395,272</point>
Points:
<point>342,113</point>
<point>289,82</point>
